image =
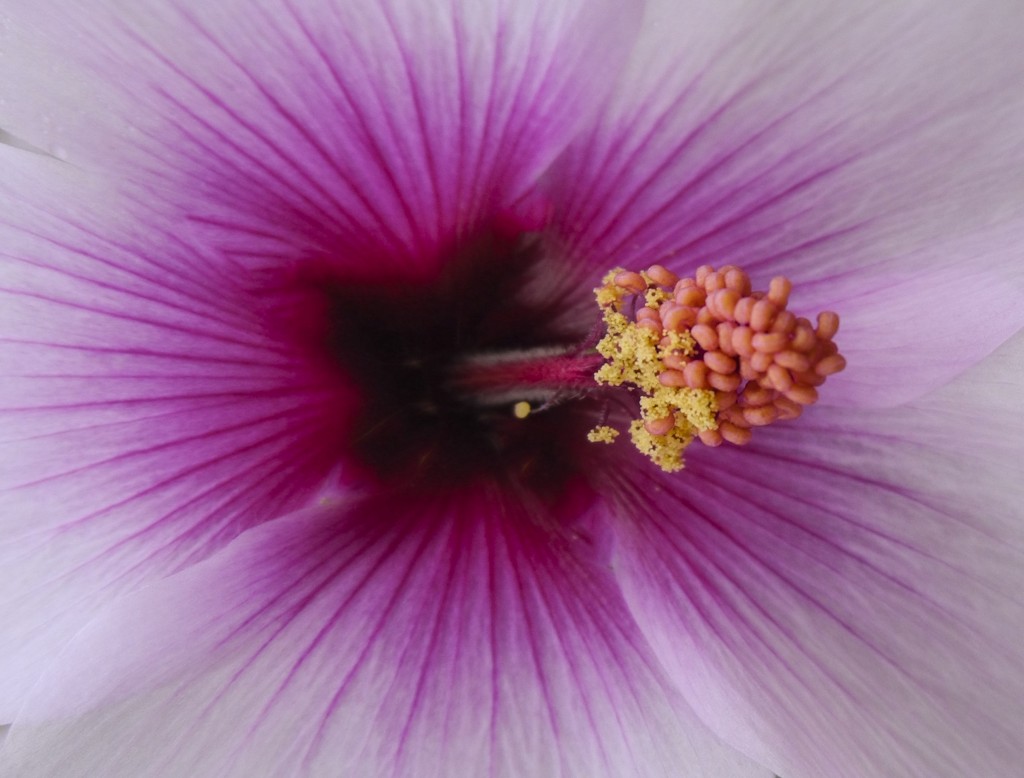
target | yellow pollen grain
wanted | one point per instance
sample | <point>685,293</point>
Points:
<point>521,409</point>
<point>655,297</point>
<point>631,353</point>
<point>681,342</point>
<point>603,434</point>
<point>634,357</point>
<point>666,451</point>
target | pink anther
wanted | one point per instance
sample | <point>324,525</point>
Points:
<point>761,361</point>
<point>630,281</point>
<point>738,281</point>
<point>778,290</point>
<point>780,378</point>
<point>725,331</point>
<point>696,374</point>
<point>787,409</point>
<point>714,282</point>
<point>802,395</point>
<point>738,436</point>
<point>769,342</point>
<point>725,400</point>
<point>719,362</point>
<point>803,337</point>
<point>743,310</point>
<point>763,315</point>
<point>660,426</point>
<point>724,383</point>
<point>747,371</point>
<point>648,313</point>
<point>742,341</point>
<point>792,360</point>
<point>784,322</point>
<point>723,303</point>
<point>690,295</point>
<point>672,378</point>
<point>662,276</point>
<point>828,325</point>
<point>712,438</point>
<point>810,377</point>
<point>654,325</point>
<point>830,365</point>
<point>756,395</point>
<point>679,318</point>
<point>760,416</point>
<point>706,336</point>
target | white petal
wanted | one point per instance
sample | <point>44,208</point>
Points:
<point>843,596</point>
<point>148,412</point>
<point>389,640</point>
<point>381,127</point>
<point>871,151</point>
<point>146,415</point>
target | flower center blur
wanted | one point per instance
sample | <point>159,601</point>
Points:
<point>421,403</point>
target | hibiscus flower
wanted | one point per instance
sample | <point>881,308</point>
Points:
<point>273,506</point>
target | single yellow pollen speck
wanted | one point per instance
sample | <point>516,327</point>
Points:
<point>635,358</point>
<point>521,409</point>
<point>655,297</point>
<point>602,434</point>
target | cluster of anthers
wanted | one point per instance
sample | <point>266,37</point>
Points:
<point>711,358</point>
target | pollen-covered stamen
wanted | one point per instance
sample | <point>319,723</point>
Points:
<point>712,357</point>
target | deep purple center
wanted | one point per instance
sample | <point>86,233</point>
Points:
<point>398,344</point>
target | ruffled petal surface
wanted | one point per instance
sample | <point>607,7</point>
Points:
<point>843,596</point>
<point>871,151</point>
<point>387,129</point>
<point>372,639</point>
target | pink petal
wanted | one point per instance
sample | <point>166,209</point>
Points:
<point>843,596</point>
<point>368,129</point>
<point>904,333</point>
<point>152,410</point>
<point>146,414</point>
<point>374,639</point>
<point>848,146</point>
